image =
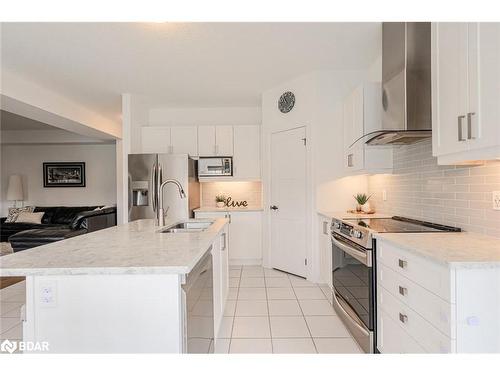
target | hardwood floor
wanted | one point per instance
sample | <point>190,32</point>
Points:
<point>7,281</point>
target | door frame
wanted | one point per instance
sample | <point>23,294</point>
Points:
<point>310,198</point>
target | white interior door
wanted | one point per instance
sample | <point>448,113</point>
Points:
<point>288,201</point>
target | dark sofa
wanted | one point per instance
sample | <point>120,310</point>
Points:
<point>58,223</point>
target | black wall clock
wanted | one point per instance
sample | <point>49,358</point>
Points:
<point>286,102</point>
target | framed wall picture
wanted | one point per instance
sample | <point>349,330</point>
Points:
<point>64,174</point>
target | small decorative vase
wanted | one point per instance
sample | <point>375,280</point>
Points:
<point>219,204</point>
<point>358,208</point>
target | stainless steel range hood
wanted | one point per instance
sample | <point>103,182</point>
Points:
<point>406,84</point>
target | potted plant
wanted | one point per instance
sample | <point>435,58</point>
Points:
<point>362,202</point>
<point>220,201</point>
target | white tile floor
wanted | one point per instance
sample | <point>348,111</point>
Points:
<point>269,311</point>
<point>11,300</point>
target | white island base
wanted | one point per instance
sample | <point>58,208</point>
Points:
<point>105,313</point>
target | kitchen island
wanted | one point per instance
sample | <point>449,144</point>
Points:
<point>116,290</point>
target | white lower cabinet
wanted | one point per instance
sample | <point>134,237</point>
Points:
<point>245,235</point>
<point>220,277</point>
<point>425,306</point>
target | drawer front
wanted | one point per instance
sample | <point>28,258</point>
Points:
<point>393,339</point>
<point>427,274</point>
<point>434,309</point>
<point>427,336</point>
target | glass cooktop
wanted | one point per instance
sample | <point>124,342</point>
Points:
<point>398,224</point>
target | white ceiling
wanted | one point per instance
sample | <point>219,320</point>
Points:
<point>180,64</point>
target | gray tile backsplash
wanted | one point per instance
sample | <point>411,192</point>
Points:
<point>453,195</point>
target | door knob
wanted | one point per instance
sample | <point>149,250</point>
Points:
<point>273,207</point>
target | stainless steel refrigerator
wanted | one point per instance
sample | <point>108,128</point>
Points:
<point>146,172</point>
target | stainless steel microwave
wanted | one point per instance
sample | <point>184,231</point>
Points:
<point>215,167</point>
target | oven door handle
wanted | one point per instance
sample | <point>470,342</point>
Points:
<point>364,257</point>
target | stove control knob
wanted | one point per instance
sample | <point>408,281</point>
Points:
<point>336,225</point>
<point>357,234</point>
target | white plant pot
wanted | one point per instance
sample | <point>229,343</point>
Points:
<point>366,207</point>
<point>219,204</point>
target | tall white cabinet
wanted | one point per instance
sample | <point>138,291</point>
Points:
<point>465,91</point>
<point>246,157</point>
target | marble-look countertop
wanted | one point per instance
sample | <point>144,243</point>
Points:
<point>132,248</point>
<point>453,249</point>
<point>229,209</point>
<point>349,215</point>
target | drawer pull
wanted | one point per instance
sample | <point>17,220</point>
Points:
<point>402,263</point>
<point>403,291</point>
<point>403,318</point>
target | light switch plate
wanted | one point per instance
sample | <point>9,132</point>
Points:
<point>496,200</point>
<point>384,195</point>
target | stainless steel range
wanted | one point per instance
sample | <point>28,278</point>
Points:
<point>354,269</point>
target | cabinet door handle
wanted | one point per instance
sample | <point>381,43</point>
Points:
<point>349,160</point>
<point>223,237</point>
<point>469,125</point>
<point>402,263</point>
<point>403,291</point>
<point>403,318</point>
<point>325,227</point>
<point>460,135</point>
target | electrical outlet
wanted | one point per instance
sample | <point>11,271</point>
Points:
<point>496,200</point>
<point>384,195</point>
<point>48,294</point>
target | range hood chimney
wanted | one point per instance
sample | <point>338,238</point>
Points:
<point>406,84</point>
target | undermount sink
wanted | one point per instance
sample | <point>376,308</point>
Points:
<point>188,226</point>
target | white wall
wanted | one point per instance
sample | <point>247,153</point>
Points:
<point>318,107</point>
<point>27,160</point>
<point>205,116</point>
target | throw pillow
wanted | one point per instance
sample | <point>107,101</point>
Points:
<point>14,211</point>
<point>30,217</point>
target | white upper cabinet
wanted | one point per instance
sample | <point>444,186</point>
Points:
<point>184,140</point>
<point>215,140</point>
<point>246,159</point>
<point>155,139</point>
<point>224,140</point>
<point>206,140</point>
<point>169,140</point>
<point>362,114</point>
<point>465,92</point>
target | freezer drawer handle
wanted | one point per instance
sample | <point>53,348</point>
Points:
<point>403,291</point>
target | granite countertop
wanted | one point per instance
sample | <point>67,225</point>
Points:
<point>131,248</point>
<point>349,215</point>
<point>453,249</point>
<point>229,209</point>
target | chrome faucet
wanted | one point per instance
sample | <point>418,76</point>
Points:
<point>160,220</point>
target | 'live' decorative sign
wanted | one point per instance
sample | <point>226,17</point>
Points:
<point>230,203</point>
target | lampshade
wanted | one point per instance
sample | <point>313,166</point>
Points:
<point>15,189</point>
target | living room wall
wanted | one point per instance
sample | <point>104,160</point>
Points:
<point>27,160</point>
